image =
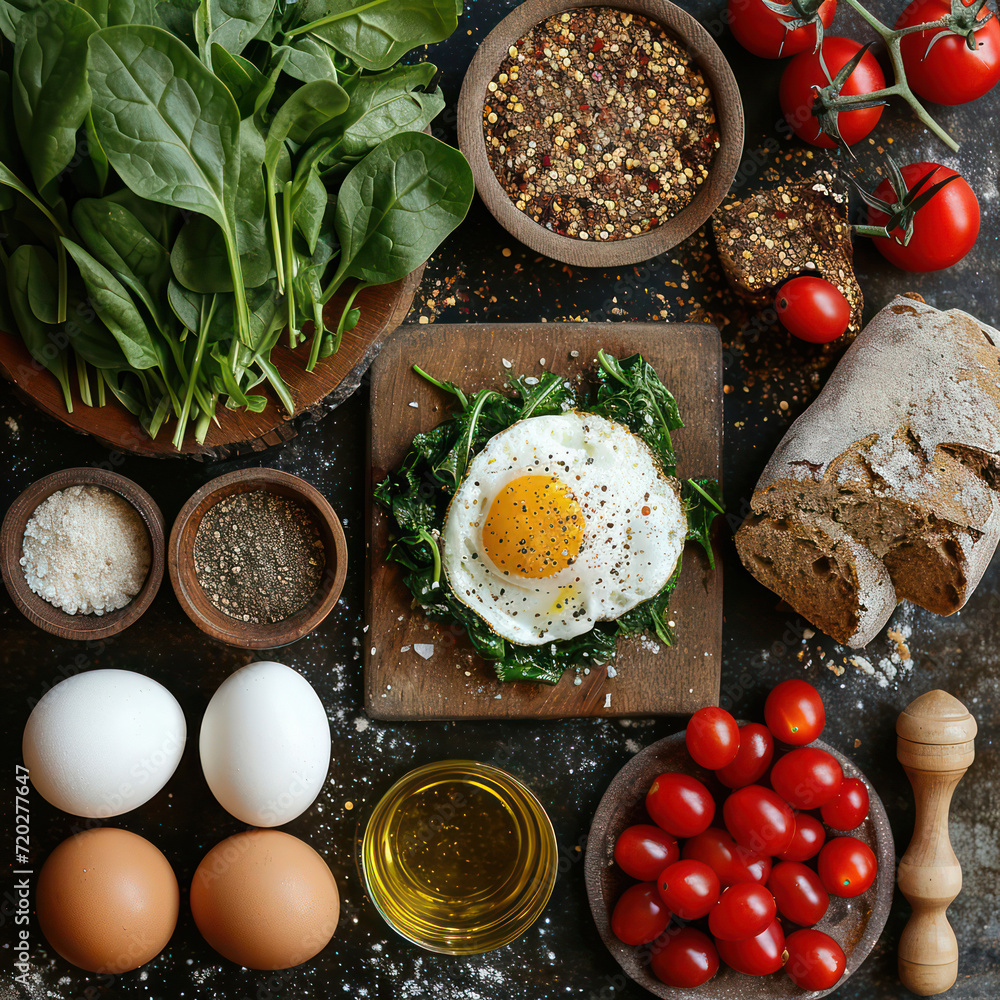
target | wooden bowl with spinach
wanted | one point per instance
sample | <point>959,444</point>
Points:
<point>201,206</point>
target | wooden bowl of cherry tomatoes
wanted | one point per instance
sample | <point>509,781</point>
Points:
<point>739,859</point>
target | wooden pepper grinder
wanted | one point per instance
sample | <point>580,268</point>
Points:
<point>934,743</point>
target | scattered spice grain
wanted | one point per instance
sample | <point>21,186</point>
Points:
<point>258,557</point>
<point>598,125</point>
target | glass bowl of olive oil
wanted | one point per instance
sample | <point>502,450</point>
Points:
<point>459,857</point>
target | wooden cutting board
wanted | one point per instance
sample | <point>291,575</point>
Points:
<point>454,683</point>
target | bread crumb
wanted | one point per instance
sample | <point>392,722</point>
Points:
<point>837,670</point>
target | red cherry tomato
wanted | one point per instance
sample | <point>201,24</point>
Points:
<point>644,850</point>
<point>639,915</point>
<point>688,889</point>
<point>712,737</point>
<point>687,960</point>
<point>680,804</point>
<point>798,893</point>
<point>756,956</point>
<point>848,809</point>
<point>807,778</point>
<point>812,309</point>
<point>804,75</point>
<point>794,712</point>
<point>760,31</point>
<point>944,230</point>
<point>732,863</point>
<point>815,961</point>
<point>807,839</point>
<point>951,72</point>
<point>752,759</point>
<point>759,819</point>
<point>847,867</point>
<point>742,911</point>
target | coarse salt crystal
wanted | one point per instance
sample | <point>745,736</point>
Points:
<point>424,649</point>
<point>415,405</point>
<point>506,363</point>
<point>607,700</point>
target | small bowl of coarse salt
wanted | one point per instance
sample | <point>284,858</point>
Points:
<point>82,553</point>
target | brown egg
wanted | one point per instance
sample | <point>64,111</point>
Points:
<point>265,899</point>
<point>107,900</point>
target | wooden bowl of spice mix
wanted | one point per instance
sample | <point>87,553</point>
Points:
<point>257,558</point>
<point>81,553</point>
<point>601,134</point>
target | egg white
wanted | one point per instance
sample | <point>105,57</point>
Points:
<point>626,556</point>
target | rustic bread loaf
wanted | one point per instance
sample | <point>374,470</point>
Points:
<point>897,462</point>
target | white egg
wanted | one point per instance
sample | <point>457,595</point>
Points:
<point>103,742</point>
<point>265,744</point>
<point>561,521</point>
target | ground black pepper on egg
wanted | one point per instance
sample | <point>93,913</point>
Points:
<point>258,557</point>
<point>598,125</point>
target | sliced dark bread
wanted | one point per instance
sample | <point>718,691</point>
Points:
<point>771,236</point>
<point>821,571</point>
<point>901,450</point>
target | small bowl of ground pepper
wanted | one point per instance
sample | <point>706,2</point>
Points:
<point>257,558</point>
<point>601,132</point>
<point>82,553</point>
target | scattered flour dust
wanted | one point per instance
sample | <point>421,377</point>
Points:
<point>897,662</point>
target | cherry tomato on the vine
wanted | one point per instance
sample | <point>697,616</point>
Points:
<point>742,911</point>
<point>639,915</point>
<point>807,778</point>
<point>712,737</point>
<point>759,819</point>
<point>804,75</point>
<point>732,863</point>
<point>761,31</point>
<point>756,956</point>
<point>752,759</point>
<point>644,850</point>
<point>948,71</point>
<point>688,889</point>
<point>812,309</point>
<point>794,712</point>
<point>847,866</point>
<point>815,961</point>
<point>848,809</point>
<point>798,893</point>
<point>680,804</point>
<point>807,839</point>
<point>944,230</point>
<point>687,960</point>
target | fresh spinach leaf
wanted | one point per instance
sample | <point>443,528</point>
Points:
<point>378,33</point>
<point>233,24</point>
<point>396,207</point>
<point>40,338</point>
<point>308,59</point>
<point>148,91</point>
<point>51,94</point>
<point>383,105</point>
<point>41,280</point>
<point>703,504</point>
<point>116,308</point>
<point>241,77</point>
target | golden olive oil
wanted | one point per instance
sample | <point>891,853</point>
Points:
<point>459,857</point>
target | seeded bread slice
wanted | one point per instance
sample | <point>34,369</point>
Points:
<point>901,450</point>
<point>771,236</point>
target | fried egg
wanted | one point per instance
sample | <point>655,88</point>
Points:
<point>561,521</point>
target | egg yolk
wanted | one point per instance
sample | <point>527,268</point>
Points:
<point>534,527</point>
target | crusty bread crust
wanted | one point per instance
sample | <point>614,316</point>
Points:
<point>902,450</point>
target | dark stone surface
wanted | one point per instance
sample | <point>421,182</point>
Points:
<point>483,275</point>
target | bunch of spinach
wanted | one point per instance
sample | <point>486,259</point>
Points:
<point>181,180</point>
<point>417,495</point>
